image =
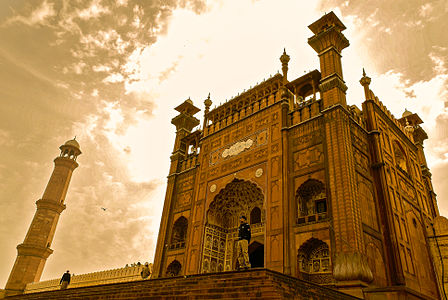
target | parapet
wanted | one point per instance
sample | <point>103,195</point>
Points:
<point>125,274</point>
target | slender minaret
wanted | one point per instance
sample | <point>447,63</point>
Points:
<point>35,249</point>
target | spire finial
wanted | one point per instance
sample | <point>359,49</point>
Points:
<point>365,82</point>
<point>284,59</point>
<point>207,103</point>
<point>74,138</point>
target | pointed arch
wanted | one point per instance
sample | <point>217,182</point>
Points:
<point>239,197</point>
<point>174,268</point>
<point>311,201</point>
<point>400,156</point>
<point>314,261</point>
<point>179,233</point>
<point>255,215</point>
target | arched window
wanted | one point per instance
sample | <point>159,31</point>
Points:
<point>314,260</point>
<point>173,269</point>
<point>255,216</point>
<point>400,157</point>
<point>305,93</point>
<point>179,233</point>
<point>311,201</point>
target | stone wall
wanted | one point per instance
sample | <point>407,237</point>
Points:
<point>90,279</point>
<point>439,250</point>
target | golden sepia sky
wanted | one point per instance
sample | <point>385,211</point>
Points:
<point>111,72</point>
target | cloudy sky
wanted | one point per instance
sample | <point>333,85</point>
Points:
<point>111,72</point>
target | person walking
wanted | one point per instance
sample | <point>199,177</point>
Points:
<point>65,280</point>
<point>243,244</point>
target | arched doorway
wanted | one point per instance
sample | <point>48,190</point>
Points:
<point>239,197</point>
<point>256,255</point>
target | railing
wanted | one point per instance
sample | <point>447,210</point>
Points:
<point>189,162</point>
<point>174,246</point>
<point>305,220</point>
<point>304,111</point>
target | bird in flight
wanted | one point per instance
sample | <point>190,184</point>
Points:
<point>103,208</point>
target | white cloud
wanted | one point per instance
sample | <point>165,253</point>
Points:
<point>38,16</point>
<point>95,10</point>
<point>114,78</point>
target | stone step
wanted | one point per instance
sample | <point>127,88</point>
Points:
<point>252,284</point>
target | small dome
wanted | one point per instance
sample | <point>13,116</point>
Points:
<point>189,101</point>
<point>73,143</point>
<point>406,113</point>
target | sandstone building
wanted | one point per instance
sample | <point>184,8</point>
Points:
<point>335,195</point>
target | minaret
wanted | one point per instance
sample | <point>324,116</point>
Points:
<point>184,123</point>
<point>35,249</point>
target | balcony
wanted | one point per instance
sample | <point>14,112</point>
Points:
<point>175,246</point>
<point>315,218</point>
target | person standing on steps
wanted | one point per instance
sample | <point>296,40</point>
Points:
<point>243,244</point>
<point>146,272</point>
<point>65,280</point>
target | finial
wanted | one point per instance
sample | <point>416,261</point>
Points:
<point>207,103</point>
<point>365,81</point>
<point>74,138</point>
<point>284,59</point>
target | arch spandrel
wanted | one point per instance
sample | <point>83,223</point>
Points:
<point>215,187</point>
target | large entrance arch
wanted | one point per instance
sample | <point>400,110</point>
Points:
<point>239,197</point>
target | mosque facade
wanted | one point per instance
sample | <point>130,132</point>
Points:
<point>335,194</point>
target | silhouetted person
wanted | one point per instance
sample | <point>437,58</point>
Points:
<point>243,244</point>
<point>146,272</point>
<point>65,280</point>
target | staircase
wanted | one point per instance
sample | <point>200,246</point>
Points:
<point>250,284</point>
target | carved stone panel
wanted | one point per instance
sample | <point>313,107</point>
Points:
<point>275,191</point>
<point>275,218</point>
<point>276,250</point>
<point>232,150</point>
<point>308,157</point>
<point>307,140</point>
<point>193,261</point>
<point>275,129</point>
<point>196,236</point>
<point>184,198</point>
<point>275,166</point>
<point>199,210</point>
<point>361,161</point>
